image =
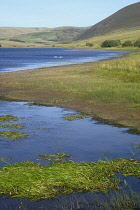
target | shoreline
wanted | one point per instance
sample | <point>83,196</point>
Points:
<point>50,88</point>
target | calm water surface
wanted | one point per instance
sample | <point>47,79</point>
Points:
<point>15,59</point>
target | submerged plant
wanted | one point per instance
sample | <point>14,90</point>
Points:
<point>57,157</point>
<point>2,159</point>
<point>8,118</point>
<point>74,117</point>
<point>16,126</point>
<point>13,134</point>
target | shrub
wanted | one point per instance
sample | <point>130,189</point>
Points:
<point>127,44</point>
<point>110,43</point>
<point>137,43</point>
<point>89,44</point>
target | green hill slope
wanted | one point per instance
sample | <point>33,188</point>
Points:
<point>41,35</point>
<point>126,18</point>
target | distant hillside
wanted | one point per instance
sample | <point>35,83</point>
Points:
<point>41,35</point>
<point>126,18</point>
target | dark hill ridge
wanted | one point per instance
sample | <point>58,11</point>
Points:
<point>126,18</point>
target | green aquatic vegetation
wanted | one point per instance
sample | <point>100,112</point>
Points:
<point>13,134</point>
<point>2,159</point>
<point>35,181</point>
<point>8,118</point>
<point>58,157</point>
<point>16,126</point>
<point>74,117</point>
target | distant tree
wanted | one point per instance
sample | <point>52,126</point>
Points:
<point>0,45</point>
<point>110,43</point>
<point>137,43</point>
<point>127,44</point>
<point>89,44</point>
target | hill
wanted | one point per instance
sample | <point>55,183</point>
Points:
<point>123,25</point>
<point>41,35</point>
<point>126,18</point>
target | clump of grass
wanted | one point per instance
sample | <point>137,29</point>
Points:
<point>8,118</point>
<point>17,126</point>
<point>74,117</point>
<point>57,157</point>
<point>35,181</point>
<point>126,69</point>
<point>13,134</point>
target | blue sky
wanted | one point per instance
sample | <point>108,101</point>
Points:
<point>55,13</point>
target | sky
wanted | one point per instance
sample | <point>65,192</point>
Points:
<point>56,13</point>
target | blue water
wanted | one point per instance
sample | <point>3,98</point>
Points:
<point>14,59</point>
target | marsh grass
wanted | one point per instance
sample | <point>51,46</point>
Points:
<point>35,181</point>
<point>13,134</point>
<point>57,157</point>
<point>74,117</point>
<point>16,126</point>
<point>3,159</point>
<point>126,69</point>
<point>8,118</point>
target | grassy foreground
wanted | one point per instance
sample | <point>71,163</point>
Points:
<point>109,89</point>
<point>35,181</point>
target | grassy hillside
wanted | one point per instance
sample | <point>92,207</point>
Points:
<point>61,35</point>
<point>10,32</point>
<point>126,18</point>
<point>132,34</point>
<point>40,35</point>
<point>122,35</point>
